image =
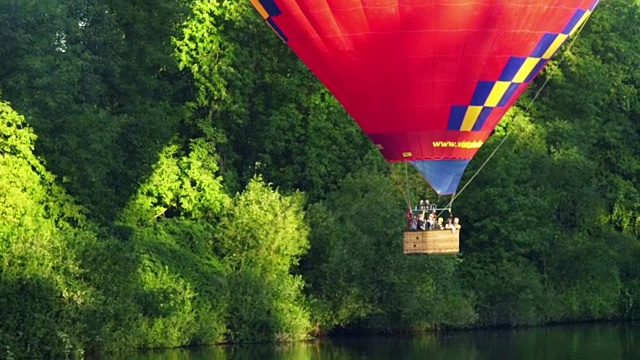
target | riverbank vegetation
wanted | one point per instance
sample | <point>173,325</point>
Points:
<point>171,174</point>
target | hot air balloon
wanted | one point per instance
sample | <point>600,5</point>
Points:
<point>426,80</point>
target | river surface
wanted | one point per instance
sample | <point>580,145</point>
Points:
<point>580,342</point>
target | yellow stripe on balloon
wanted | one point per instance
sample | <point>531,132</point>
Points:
<point>526,69</point>
<point>473,112</point>
<point>555,45</point>
<point>498,91</point>
<point>263,12</point>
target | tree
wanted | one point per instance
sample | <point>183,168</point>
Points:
<point>42,296</point>
<point>99,84</point>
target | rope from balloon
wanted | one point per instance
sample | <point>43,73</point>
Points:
<point>398,181</point>
<point>406,179</point>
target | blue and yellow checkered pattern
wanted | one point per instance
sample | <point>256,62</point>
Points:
<point>518,71</point>
<point>268,9</point>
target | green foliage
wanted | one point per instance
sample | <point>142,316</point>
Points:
<point>167,302</point>
<point>181,285</point>
<point>41,297</point>
<point>41,324</point>
<point>343,262</point>
<point>100,87</point>
<point>260,239</point>
<point>183,185</point>
<point>110,318</point>
<point>510,291</point>
<point>591,286</point>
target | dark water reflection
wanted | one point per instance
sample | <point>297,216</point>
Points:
<point>584,342</point>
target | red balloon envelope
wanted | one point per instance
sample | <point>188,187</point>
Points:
<point>427,80</point>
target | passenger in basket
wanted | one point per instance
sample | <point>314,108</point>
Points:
<point>422,222</point>
<point>431,222</point>
<point>456,225</point>
<point>413,223</point>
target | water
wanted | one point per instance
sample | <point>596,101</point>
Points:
<point>584,342</point>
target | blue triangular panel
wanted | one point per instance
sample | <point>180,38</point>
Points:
<point>443,175</point>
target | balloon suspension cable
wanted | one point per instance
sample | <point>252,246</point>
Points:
<point>398,181</point>
<point>526,111</point>
<point>406,179</point>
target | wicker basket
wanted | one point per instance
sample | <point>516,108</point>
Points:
<point>431,242</point>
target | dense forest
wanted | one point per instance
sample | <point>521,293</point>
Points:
<point>171,174</point>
